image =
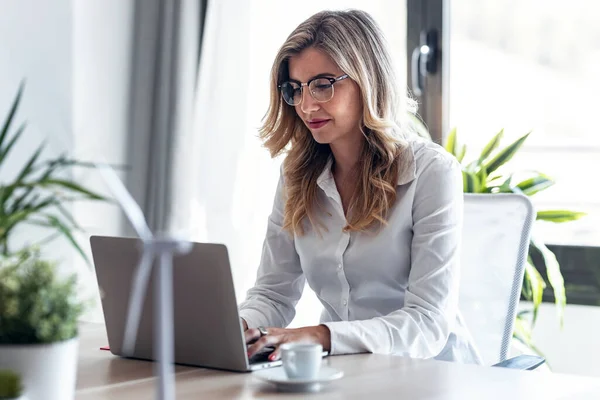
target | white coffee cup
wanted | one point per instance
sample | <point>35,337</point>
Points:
<point>301,360</point>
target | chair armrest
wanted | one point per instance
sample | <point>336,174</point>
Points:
<point>522,362</point>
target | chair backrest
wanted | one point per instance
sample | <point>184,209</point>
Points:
<point>496,234</point>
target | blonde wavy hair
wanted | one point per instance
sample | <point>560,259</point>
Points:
<point>356,44</point>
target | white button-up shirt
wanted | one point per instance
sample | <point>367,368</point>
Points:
<point>392,291</point>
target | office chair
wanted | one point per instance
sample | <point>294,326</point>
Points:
<point>496,233</point>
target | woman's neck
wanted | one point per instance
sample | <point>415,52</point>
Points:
<point>346,155</point>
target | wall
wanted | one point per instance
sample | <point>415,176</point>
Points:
<point>101,74</point>
<point>35,45</point>
<point>574,349</point>
<point>73,56</point>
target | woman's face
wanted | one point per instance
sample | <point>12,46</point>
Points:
<point>337,120</point>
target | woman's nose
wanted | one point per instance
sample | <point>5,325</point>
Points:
<point>308,104</point>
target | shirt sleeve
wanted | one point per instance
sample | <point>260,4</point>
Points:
<point>421,328</point>
<point>280,280</point>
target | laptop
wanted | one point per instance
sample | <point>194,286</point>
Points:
<point>207,328</point>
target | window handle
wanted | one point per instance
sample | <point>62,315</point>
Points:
<point>424,60</point>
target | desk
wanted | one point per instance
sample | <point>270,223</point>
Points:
<point>104,376</point>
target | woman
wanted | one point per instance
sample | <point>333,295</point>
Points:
<point>368,215</point>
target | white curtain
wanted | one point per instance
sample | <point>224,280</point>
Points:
<point>134,73</point>
<point>224,179</point>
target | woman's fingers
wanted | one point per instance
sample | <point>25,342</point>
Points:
<point>275,355</point>
<point>269,340</point>
<point>251,335</point>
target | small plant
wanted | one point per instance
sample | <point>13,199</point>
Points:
<point>484,175</point>
<point>35,305</point>
<point>39,192</point>
<point>10,385</point>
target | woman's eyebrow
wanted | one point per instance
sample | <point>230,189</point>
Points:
<point>321,75</point>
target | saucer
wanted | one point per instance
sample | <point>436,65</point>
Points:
<point>278,377</point>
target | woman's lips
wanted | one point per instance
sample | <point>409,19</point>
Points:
<point>317,123</point>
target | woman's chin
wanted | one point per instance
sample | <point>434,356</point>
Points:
<point>321,137</point>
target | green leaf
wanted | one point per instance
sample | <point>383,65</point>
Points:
<point>470,182</point>
<point>26,170</point>
<point>43,241</point>
<point>451,142</point>
<point>482,178</point>
<point>505,154</point>
<point>558,216</point>
<point>535,184</point>
<point>526,290</point>
<point>19,201</point>
<point>68,216</point>
<point>22,215</point>
<point>522,332</point>
<point>554,276</point>
<point>536,284</point>
<point>66,231</point>
<point>72,186</point>
<point>11,115</point>
<point>506,186</point>
<point>493,182</point>
<point>7,223</point>
<point>460,156</point>
<point>4,151</point>
<point>491,146</point>
<point>50,168</point>
<point>473,166</point>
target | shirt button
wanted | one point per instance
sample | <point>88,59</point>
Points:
<point>345,302</point>
<point>339,266</point>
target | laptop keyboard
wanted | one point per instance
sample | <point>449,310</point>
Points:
<point>262,356</point>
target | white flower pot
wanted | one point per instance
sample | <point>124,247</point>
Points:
<point>48,371</point>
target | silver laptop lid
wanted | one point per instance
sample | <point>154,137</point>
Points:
<point>207,328</point>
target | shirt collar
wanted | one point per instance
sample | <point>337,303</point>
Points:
<point>325,180</point>
<point>408,170</point>
<point>407,165</point>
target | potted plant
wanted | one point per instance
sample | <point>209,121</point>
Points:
<point>38,310</point>
<point>485,175</point>
<point>39,315</point>
<point>10,386</point>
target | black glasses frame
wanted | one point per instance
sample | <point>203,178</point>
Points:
<point>302,85</point>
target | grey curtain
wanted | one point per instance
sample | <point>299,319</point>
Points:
<point>166,48</point>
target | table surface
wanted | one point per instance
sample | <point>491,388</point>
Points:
<point>102,375</point>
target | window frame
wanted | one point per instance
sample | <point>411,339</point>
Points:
<point>433,99</point>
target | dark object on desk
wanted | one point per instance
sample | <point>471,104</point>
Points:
<point>522,362</point>
<point>262,355</point>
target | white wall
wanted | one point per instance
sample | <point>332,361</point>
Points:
<point>575,349</point>
<point>73,56</point>
<point>35,45</point>
<point>101,73</point>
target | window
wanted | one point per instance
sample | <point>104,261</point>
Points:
<point>523,66</point>
<point>532,65</point>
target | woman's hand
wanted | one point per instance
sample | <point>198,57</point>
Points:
<point>278,336</point>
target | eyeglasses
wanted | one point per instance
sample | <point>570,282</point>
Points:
<point>320,88</point>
